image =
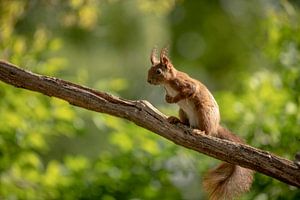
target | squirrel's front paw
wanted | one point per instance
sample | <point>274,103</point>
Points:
<point>169,99</point>
<point>173,120</point>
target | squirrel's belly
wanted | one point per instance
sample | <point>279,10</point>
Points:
<point>189,108</point>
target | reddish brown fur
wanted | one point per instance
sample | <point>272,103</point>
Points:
<point>227,181</point>
<point>199,109</point>
<point>187,88</point>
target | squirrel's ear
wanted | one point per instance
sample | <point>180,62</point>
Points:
<point>165,60</point>
<point>163,56</point>
<point>153,56</point>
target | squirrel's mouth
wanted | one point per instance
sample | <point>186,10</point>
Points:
<point>153,82</point>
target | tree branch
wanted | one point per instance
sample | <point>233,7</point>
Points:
<point>145,115</point>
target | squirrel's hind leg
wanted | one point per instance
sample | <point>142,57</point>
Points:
<point>182,118</point>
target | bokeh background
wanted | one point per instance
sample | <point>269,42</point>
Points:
<point>246,52</point>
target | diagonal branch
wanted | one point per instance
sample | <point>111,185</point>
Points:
<point>145,115</point>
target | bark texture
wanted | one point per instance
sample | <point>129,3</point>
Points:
<point>145,115</point>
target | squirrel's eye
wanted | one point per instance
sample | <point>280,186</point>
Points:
<point>158,71</point>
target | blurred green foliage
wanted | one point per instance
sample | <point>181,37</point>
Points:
<point>246,52</point>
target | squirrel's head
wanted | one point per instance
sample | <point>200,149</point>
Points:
<point>162,70</point>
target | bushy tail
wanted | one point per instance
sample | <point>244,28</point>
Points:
<point>227,181</point>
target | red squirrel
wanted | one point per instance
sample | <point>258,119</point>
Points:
<point>199,109</point>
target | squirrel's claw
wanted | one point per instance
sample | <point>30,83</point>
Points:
<point>173,120</point>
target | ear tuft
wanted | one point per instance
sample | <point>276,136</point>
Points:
<point>164,57</point>
<point>153,56</point>
<point>163,53</point>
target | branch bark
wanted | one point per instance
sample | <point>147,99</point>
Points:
<point>145,115</point>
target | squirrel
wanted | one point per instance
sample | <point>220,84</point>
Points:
<point>199,109</point>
